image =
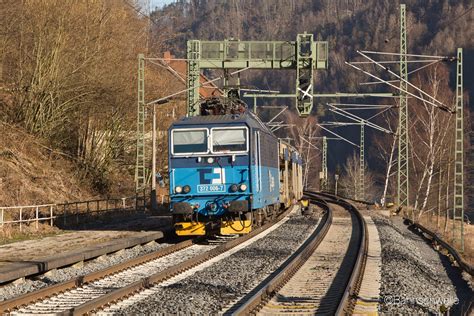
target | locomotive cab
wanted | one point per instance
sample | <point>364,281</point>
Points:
<point>224,175</point>
<point>209,177</point>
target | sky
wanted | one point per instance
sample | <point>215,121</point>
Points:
<point>159,3</point>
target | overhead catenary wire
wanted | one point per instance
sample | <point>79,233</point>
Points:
<point>377,114</point>
<point>408,55</point>
<point>444,108</point>
<point>441,105</point>
<point>338,136</point>
<point>396,61</point>
<point>311,144</point>
<point>409,73</point>
<point>359,119</point>
<point>194,87</point>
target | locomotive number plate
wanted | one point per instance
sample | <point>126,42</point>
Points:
<point>206,188</point>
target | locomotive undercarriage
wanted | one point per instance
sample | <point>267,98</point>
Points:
<point>229,224</point>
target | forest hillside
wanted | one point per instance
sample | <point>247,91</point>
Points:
<point>68,78</point>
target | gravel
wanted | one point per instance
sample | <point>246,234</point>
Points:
<point>214,288</point>
<point>12,290</point>
<point>67,300</point>
<point>414,277</point>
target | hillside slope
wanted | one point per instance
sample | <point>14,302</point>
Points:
<point>30,173</point>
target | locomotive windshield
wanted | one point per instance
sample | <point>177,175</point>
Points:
<point>225,140</point>
<point>189,141</point>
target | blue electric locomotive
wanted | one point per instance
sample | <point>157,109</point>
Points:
<point>228,173</point>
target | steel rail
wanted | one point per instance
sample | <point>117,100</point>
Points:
<point>29,298</point>
<point>289,267</point>
<point>347,301</point>
<point>118,294</point>
<point>453,252</point>
<point>331,195</point>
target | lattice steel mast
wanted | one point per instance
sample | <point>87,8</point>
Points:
<point>458,210</point>
<point>360,195</point>
<point>140,177</point>
<point>193,75</point>
<point>403,199</point>
<point>324,184</point>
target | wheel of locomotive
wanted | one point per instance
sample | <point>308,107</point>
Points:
<point>272,212</point>
<point>261,216</point>
<point>254,218</point>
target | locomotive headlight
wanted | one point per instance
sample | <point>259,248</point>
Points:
<point>243,187</point>
<point>178,189</point>
<point>234,188</point>
<point>186,189</point>
<point>210,160</point>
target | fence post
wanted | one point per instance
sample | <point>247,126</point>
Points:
<point>98,206</point>
<point>107,205</point>
<point>51,215</point>
<point>144,200</point>
<point>123,203</point>
<point>37,219</point>
<point>21,210</point>
<point>2,218</point>
<point>162,199</point>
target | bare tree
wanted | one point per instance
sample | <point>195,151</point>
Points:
<point>73,66</point>
<point>430,133</point>
<point>349,180</point>
<point>304,132</point>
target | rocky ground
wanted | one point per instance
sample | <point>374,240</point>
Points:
<point>86,235</point>
<point>215,287</point>
<point>416,278</point>
<point>60,275</point>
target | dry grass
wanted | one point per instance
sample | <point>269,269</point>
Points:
<point>438,225</point>
<point>30,173</point>
<point>10,234</point>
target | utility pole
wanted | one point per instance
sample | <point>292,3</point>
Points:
<point>403,115</point>
<point>458,210</point>
<point>140,178</point>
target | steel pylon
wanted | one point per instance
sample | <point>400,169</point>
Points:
<point>360,194</point>
<point>403,189</point>
<point>193,76</point>
<point>324,183</point>
<point>458,210</point>
<point>140,177</point>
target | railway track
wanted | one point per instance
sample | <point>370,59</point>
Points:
<point>90,292</point>
<point>321,285</point>
<point>323,276</point>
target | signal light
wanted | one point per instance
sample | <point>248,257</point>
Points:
<point>234,188</point>
<point>178,189</point>
<point>186,189</point>
<point>243,187</point>
<point>210,160</point>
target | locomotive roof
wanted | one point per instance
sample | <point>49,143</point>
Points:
<point>248,118</point>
